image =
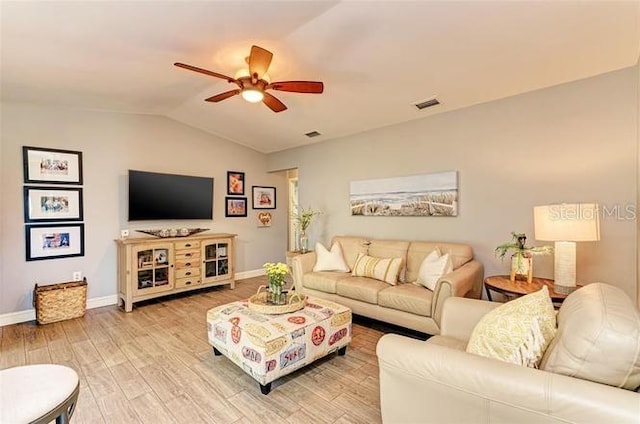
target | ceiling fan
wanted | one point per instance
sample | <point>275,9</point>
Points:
<point>254,82</point>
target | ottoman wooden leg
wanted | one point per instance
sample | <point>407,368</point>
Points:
<point>265,389</point>
<point>216,352</point>
<point>342,351</point>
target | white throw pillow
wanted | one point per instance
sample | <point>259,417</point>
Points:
<point>432,268</point>
<point>330,260</point>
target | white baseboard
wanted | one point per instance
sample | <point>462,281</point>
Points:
<point>97,302</point>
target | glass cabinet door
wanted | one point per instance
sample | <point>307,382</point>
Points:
<point>215,260</point>
<point>153,271</point>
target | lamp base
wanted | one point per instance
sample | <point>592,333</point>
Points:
<point>563,289</point>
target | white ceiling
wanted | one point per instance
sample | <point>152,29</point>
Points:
<point>375,58</point>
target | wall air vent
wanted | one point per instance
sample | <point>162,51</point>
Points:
<point>312,134</point>
<point>427,103</point>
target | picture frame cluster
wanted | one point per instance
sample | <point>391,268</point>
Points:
<point>53,211</point>
<point>262,197</point>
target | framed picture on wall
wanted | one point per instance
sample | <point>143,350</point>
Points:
<point>235,182</point>
<point>54,241</point>
<point>48,204</point>
<point>51,166</point>
<point>235,207</point>
<point>263,197</point>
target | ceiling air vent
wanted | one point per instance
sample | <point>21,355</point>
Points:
<point>312,134</point>
<point>427,103</point>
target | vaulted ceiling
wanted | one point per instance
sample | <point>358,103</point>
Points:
<point>376,58</point>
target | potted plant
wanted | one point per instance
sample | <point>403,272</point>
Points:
<point>303,218</point>
<point>521,258</point>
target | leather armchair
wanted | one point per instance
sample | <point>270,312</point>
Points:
<point>437,381</point>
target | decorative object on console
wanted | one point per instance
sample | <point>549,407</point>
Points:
<point>276,273</point>
<point>235,183</point>
<point>433,194</point>
<point>303,218</point>
<point>182,232</point>
<point>235,207</point>
<point>263,197</point>
<point>565,224</point>
<point>522,258</point>
<point>53,166</point>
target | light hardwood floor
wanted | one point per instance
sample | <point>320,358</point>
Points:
<point>154,365</point>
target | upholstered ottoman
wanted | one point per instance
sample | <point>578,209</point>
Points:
<point>270,346</point>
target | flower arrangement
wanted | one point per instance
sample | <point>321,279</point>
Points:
<point>303,217</point>
<point>276,272</point>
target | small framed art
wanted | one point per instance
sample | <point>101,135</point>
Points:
<point>235,207</point>
<point>263,197</point>
<point>51,166</point>
<point>235,182</point>
<point>49,204</point>
<point>54,241</point>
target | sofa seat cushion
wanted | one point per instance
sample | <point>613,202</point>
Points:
<point>407,298</point>
<point>324,281</point>
<point>598,338</point>
<point>361,288</point>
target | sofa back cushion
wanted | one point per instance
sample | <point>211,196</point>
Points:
<point>352,247</point>
<point>598,338</point>
<point>418,250</point>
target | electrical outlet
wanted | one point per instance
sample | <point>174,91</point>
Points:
<point>77,276</point>
<point>124,233</point>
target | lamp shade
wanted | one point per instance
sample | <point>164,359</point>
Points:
<point>567,222</point>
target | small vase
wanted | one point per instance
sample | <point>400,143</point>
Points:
<point>521,266</point>
<point>275,295</point>
<point>304,247</point>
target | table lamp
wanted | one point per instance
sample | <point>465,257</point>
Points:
<point>565,224</point>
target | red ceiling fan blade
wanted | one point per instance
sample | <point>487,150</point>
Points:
<point>259,61</point>
<point>273,103</point>
<point>313,87</point>
<point>222,96</point>
<point>206,72</point>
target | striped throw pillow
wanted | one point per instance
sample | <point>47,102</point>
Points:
<point>383,269</point>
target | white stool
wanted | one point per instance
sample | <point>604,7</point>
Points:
<point>38,394</point>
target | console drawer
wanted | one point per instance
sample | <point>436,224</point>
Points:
<point>187,272</point>
<point>187,254</point>
<point>181,245</point>
<point>187,282</point>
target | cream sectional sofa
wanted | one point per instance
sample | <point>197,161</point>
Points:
<point>405,304</point>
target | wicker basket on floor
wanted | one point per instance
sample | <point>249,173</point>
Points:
<point>58,302</point>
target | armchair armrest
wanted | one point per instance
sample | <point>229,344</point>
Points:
<point>460,316</point>
<point>459,283</point>
<point>429,383</point>
<point>301,265</point>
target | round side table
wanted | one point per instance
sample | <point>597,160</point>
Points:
<point>503,284</point>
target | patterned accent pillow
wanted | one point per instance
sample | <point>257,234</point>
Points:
<point>330,260</point>
<point>517,332</point>
<point>383,269</point>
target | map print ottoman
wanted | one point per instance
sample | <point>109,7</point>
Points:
<point>269,346</point>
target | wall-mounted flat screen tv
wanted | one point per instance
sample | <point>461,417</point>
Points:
<point>154,196</point>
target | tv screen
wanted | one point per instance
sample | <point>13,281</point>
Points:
<point>155,196</point>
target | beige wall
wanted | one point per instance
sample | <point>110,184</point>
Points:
<point>570,143</point>
<point>111,144</point>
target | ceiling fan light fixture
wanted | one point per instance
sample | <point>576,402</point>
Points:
<point>252,95</point>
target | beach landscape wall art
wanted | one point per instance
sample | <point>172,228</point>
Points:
<point>434,194</point>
